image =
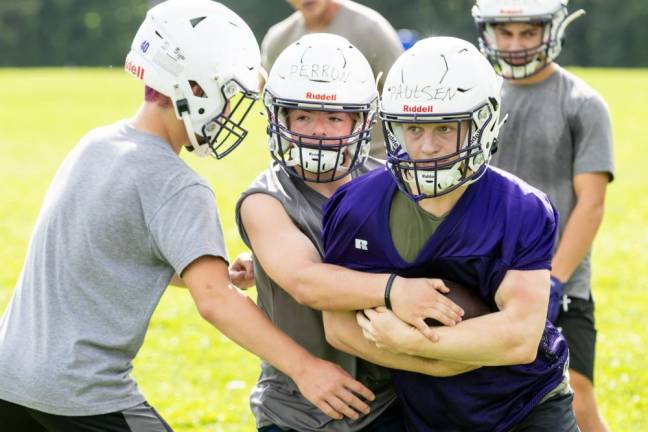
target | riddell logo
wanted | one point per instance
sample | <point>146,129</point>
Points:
<point>417,109</point>
<point>511,11</point>
<point>321,96</point>
<point>134,69</point>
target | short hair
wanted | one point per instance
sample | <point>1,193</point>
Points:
<point>150,94</point>
<point>154,96</point>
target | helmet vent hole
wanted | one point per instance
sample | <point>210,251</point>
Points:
<point>195,21</point>
<point>197,89</point>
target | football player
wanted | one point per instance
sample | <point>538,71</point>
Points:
<point>124,214</point>
<point>559,139</point>
<point>321,101</point>
<point>441,211</point>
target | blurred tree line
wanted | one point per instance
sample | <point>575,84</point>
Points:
<point>98,32</point>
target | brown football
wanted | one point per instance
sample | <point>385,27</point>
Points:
<point>472,305</point>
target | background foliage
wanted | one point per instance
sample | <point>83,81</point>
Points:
<point>98,32</point>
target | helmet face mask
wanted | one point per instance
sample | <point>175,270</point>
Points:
<point>317,158</point>
<point>440,80</point>
<point>313,158</point>
<point>225,132</point>
<point>179,51</point>
<point>522,63</point>
<point>552,15</point>
<point>327,74</point>
<point>432,177</point>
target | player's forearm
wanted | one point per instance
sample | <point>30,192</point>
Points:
<point>577,238</point>
<point>330,287</point>
<point>238,318</point>
<point>343,333</point>
<point>494,339</point>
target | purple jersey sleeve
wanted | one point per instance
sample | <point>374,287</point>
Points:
<point>538,225</point>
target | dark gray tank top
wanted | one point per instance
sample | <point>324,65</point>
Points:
<point>276,399</point>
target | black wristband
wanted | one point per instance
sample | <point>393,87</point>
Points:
<point>388,287</point>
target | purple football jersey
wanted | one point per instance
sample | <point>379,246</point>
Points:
<point>500,223</point>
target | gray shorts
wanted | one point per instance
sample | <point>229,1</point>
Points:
<point>140,418</point>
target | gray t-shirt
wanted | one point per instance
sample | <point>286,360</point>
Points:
<point>122,214</point>
<point>556,129</point>
<point>365,28</point>
<point>276,399</point>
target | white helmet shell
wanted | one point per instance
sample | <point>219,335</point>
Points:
<point>182,43</point>
<point>441,79</point>
<point>551,14</point>
<point>321,72</point>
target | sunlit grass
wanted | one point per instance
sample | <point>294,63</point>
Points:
<point>197,378</point>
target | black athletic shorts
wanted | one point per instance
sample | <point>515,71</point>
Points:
<point>140,418</point>
<point>576,322</point>
<point>553,415</point>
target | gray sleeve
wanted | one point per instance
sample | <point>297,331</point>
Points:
<point>187,227</point>
<point>387,47</point>
<point>237,215</point>
<point>239,220</point>
<point>269,49</point>
<point>592,134</point>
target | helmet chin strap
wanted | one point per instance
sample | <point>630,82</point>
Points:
<point>433,182</point>
<point>512,71</point>
<point>315,160</point>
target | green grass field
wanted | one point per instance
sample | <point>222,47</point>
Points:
<point>192,374</point>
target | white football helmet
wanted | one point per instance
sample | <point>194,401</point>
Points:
<point>187,42</point>
<point>551,14</point>
<point>441,80</point>
<point>320,72</point>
